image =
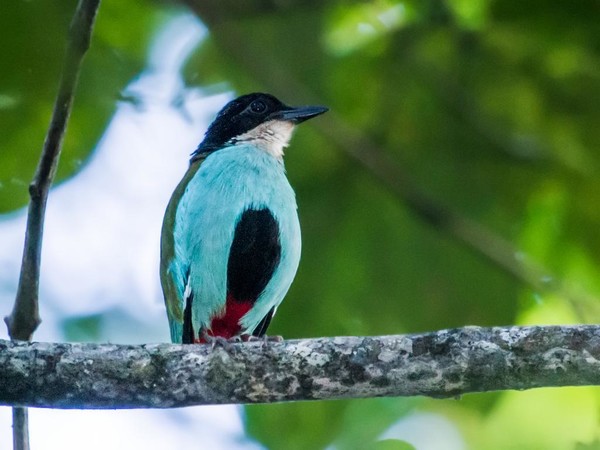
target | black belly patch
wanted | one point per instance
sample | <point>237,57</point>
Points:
<point>254,255</point>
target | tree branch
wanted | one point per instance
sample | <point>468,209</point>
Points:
<point>25,318</point>
<point>441,364</point>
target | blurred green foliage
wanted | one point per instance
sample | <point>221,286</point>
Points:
<point>492,107</point>
<point>389,444</point>
<point>33,43</point>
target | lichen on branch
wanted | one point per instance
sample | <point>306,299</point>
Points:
<point>440,364</point>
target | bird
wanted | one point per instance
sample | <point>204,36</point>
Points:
<point>230,240</point>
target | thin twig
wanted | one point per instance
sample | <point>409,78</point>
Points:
<point>20,428</point>
<point>440,364</point>
<point>25,316</point>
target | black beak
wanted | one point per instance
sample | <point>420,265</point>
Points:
<point>299,114</point>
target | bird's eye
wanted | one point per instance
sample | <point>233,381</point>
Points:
<point>258,106</point>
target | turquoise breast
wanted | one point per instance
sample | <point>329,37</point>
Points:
<point>229,182</point>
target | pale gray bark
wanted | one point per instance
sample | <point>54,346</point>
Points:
<point>446,363</point>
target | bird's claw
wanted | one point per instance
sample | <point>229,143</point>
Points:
<point>227,343</point>
<point>264,339</point>
<point>219,341</point>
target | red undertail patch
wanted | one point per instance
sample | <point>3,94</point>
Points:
<point>227,324</point>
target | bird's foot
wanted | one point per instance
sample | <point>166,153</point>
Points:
<point>219,341</point>
<point>227,343</point>
<point>268,340</point>
<point>265,339</point>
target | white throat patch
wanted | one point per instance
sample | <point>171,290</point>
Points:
<point>271,137</point>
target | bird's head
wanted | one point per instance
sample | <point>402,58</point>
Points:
<point>258,119</point>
